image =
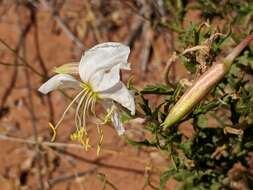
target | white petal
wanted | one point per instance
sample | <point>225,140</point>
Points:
<point>102,80</point>
<point>103,57</point>
<point>120,94</point>
<point>117,123</point>
<point>115,117</point>
<point>125,66</point>
<point>58,82</point>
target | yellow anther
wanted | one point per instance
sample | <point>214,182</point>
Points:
<point>86,102</point>
<point>82,137</point>
<point>50,125</point>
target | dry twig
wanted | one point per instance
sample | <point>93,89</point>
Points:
<point>62,25</point>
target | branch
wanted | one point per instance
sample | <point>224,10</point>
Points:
<point>62,25</point>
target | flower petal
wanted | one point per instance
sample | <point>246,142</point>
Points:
<point>115,117</point>
<point>125,66</point>
<point>103,57</point>
<point>117,123</point>
<point>58,82</point>
<point>120,94</point>
<point>102,80</point>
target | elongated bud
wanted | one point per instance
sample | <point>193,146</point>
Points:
<point>69,68</point>
<point>203,85</point>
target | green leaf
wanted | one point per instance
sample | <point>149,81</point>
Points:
<point>145,106</point>
<point>189,63</point>
<point>186,147</point>
<point>202,121</point>
<point>204,108</point>
<point>125,117</point>
<point>158,89</point>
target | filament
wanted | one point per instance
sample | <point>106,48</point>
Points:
<point>69,106</point>
<point>101,137</point>
<point>78,121</point>
<point>86,106</point>
<point>93,111</point>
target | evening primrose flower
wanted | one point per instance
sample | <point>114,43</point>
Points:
<point>99,72</point>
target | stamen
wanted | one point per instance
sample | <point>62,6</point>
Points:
<point>108,115</point>
<point>54,131</point>
<point>87,144</point>
<point>66,110</point>
<point>86,106</point>
<point>101,137</point>
<point>93,111</point>
<point>82,137</point>
<point>78,121</point>
<point>86,103</point>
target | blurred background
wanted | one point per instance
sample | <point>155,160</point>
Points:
<point>38,35</point>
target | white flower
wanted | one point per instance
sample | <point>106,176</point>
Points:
<point>99,71</point>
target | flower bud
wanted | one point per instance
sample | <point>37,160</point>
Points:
<point>203,85</point>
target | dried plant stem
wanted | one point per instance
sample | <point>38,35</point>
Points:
<point>42,64</point>
<point>67,145</point>
<point>30,106</point>
<point>20,58</point>
<point>62,25</point>
<point>147,47</point>
<point>102,177</point>
<point>61,179</point>
<point>169,64</point>
<point>99,163</point>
